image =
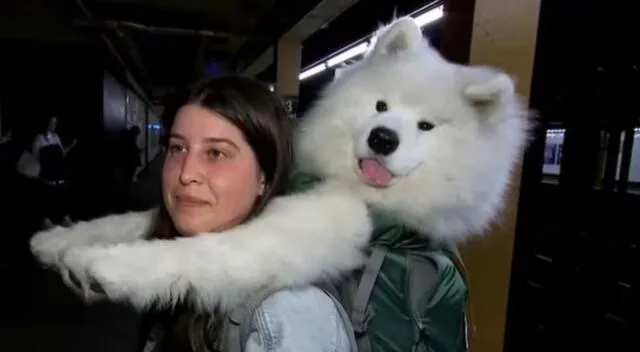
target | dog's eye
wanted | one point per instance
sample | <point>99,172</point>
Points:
<point>425,126</point>
<point>381,106</point>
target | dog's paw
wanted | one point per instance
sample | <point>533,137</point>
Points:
<point>49,246</point>
<point>74,265</point>
<point>137,273</point>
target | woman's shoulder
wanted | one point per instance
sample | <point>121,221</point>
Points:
<point>301,296</point>
<point>301,319</point>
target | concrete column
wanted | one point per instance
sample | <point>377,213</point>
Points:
<point>288,60</point>
<point>1,125</point>
<point>503,34</point>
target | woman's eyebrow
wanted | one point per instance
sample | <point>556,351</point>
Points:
<point>220,140</point>
<point>177,136</point>
<point>206,140</point>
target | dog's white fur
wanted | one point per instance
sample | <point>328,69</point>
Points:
<point>450,184</point>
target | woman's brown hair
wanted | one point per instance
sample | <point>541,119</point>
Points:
<point>260,115</point>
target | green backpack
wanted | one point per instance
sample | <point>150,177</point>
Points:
<point>411,296</point>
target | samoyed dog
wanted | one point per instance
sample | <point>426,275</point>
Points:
<point>404,130</point>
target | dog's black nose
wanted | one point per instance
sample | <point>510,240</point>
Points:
<point>383,140</point>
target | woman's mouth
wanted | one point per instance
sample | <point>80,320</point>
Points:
<point>188,201</point>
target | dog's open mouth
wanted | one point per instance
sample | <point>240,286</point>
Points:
<point>374,173</point>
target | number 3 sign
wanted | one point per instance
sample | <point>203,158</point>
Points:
<point>290,104</point>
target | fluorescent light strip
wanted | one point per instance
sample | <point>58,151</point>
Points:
<point>312,71</point>
<point>429,16</point>
<point>422,20</point>
<point>562,130</point>
<point>350,53</point>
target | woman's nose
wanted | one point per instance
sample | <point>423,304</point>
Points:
<point>191,171</point>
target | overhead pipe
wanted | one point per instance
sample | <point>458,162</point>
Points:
<point>167,30</point>
<point>114,24</point>
<point>113,50</point>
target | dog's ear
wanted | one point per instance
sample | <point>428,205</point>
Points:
<point>401,36</point>
<point>485,88</point>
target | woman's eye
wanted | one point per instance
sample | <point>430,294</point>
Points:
<point>216,154</point>
<point>175,148</point>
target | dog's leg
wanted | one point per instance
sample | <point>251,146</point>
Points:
<point>48,246</point>
<point>297,239</point>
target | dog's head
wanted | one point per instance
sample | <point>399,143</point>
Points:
<point>428,139</point>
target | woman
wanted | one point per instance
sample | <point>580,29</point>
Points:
<point>229,152</point>
<point>42,171</point>
<point>48,150</point>
<point>50,154</point>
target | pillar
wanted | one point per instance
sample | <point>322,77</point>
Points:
<point>2,128</point>
<point>288,60</point>
<point>503,34</point>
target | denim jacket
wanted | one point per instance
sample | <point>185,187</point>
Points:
<point>304,319</point>
<point>301,319</point>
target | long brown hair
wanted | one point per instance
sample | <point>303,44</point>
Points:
<point>260,115</point>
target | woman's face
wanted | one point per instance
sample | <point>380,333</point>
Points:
<point>53,123</point>
<point>211,176</point>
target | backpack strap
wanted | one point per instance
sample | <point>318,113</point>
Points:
<point>360,310</point>
<point>422,283</point>
<point>332,292</point>
<point>239,326</point>
<point>470,328</point>
<point>423,280</point>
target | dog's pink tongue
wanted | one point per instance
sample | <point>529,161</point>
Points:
<point>374,173</point>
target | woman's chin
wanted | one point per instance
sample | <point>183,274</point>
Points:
<point>190,226</point>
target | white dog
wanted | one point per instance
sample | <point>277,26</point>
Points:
<point>403,130</point>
